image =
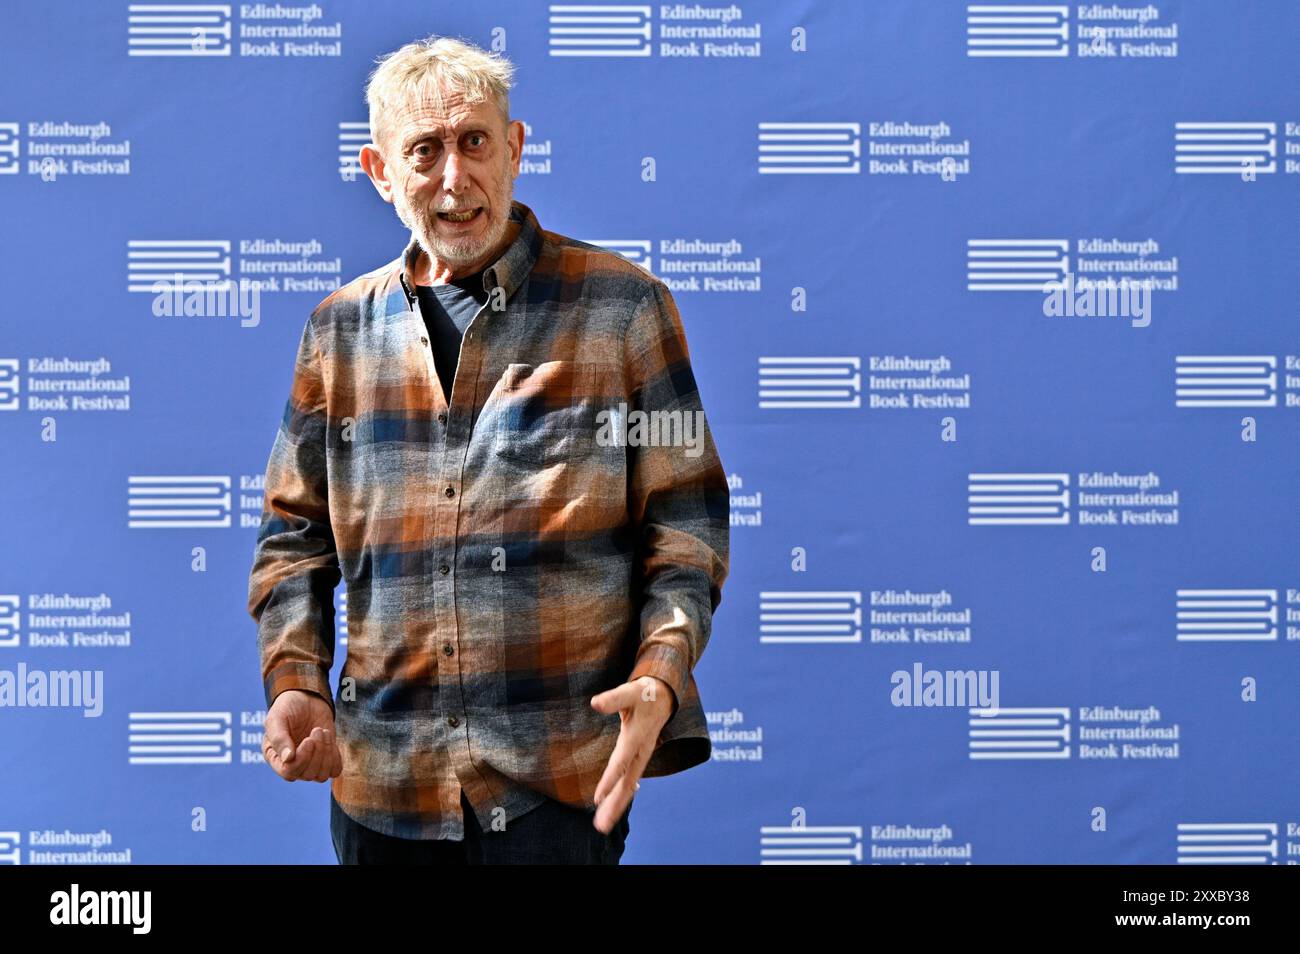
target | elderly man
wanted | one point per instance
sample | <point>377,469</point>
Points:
<point>497,443</point>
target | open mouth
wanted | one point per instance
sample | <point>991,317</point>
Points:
<point>461,217</point>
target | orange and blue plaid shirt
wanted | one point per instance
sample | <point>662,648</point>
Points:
<point>503,561</point>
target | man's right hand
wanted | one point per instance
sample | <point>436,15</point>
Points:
<point>298,738</point>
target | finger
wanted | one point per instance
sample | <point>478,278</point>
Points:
<point>276,734</point>
<point>624,788</point>
<point>617,699</point>
<point>326,756</point>
<point>336,755</point>
<point>312,766</point>
<point>277,764</point>
<point>615,804</point>
<point>619,760</point>
<point>289,768</point>
<point>637,740</point>
<point>631,779</point>
<point>301,759</point>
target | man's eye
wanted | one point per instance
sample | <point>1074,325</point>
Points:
<point>423,151</point>
<point>477,140</point>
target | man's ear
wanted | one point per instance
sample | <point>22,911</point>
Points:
<point>515,136</point>
<point>372,161</point>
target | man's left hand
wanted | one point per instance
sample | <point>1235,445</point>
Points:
<point>644,705</point>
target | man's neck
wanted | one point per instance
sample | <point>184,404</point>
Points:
<point>427,270</point>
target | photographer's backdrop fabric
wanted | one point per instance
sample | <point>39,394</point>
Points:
<point>856,206</point>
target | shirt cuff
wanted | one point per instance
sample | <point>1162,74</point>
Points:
<point>298,675</point>
<point>666,663</point>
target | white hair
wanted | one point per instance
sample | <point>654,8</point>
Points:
<point>431,67</point>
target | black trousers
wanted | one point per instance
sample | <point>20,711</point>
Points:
<point>550,834</point>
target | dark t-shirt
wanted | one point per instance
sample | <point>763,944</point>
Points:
<point>448,309</point>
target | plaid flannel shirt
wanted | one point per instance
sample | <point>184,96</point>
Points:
<point>503,563</point>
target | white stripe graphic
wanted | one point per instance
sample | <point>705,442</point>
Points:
<point>1015,264</point>
<point>179,738</point>
<point>1019,733</point>
<point>1225,380</point>
<point>810,845</point>
<point>1228,148</point>
<point>1227,844</point>
<point>178,501</point>
<point>815,382</point>
<point>814,148</point>
<point>598,30</point>
<point>1017,499</point>
<point>810,617</point>
<point>149,262</point>
<point>1019,30</point>
<point>1227,615</point>
<point>178,30</point>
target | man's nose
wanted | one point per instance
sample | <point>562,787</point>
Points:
<point>453,172</point>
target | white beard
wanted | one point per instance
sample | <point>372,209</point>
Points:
<point>424,227</point>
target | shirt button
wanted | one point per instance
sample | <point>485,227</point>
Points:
<point>424,341</point>
<point>442,418</point>
<point>450,492</point>
<point>444,569</point>
<point>447,650</point>
<point>453,721</point>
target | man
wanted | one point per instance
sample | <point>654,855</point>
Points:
<point>531,570</point>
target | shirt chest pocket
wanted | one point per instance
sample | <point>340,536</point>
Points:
<point>541,420</point>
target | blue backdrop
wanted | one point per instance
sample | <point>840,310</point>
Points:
<point>856,205</point>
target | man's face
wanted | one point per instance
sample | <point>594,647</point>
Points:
<point>461,160</point>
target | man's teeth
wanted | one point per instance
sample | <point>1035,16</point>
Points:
<point>459,216</point>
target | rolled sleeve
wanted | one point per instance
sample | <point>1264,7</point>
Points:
<point>678,500</point>
<point>295,564</point>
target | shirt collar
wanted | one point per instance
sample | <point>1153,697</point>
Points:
<point>508,271</point>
